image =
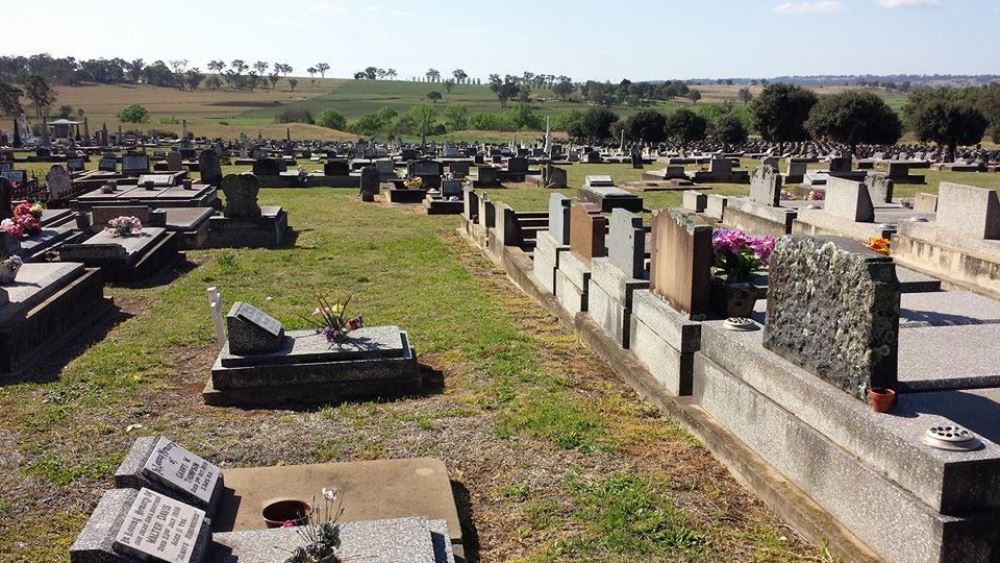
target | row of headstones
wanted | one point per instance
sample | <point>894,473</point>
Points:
<point>815,334</point>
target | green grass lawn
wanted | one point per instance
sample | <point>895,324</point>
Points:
<point>557,460</point>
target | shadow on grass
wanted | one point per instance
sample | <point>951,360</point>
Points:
<point>432,384</point>
<point>463,502</point>
<point>59,354</point>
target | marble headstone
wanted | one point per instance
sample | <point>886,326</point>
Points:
<point>849,200</point>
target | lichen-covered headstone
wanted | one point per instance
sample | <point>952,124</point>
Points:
<point>59,183</point>
<point>833,309</point>
<point>241,196</point>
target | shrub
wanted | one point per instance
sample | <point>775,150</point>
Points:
<point>295,115</point>
<point>491,122</point>
<point>331,120</point>
<point>133,114</point>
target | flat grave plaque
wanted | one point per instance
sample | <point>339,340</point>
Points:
<point>178,468</point>
<point>160,528</point>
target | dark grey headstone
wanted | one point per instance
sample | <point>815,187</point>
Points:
<point>241,196</point>
<point>210,168</point>
<point>517,165</point>
<point>252,331</point>
<point>833,309</point>
<point>369,183</point>
<point>336,168</point>
<point>135,164</point>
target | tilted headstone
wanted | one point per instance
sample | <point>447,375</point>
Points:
<point>241,196</point>
<point>587,229</point>
<point>59,182</point>
<point>765,186</point>
<point>555,177</point>
<point>131,525</point>
<point>165,467</point>
<point>162,528</point>
<point>833,309</point>
<point>252,331</point>
<point>559,218</point>
<point>969,210</point>
<point>848,200</point>
<point>880,187</point>
<point>681,261</point>
<point>210,168</point>
<point>627,243</point>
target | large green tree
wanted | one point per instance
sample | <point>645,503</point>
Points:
<point>729,130</point>
<point>685,126</point>
<point>40,93</point>
<point>854,117</point>
<point>647,126</point>
<point>595,125</point>
<point>946,117</point>
<point>779,113</point>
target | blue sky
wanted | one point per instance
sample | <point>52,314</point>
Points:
<point>598,39</point>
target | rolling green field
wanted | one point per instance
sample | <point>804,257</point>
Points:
<point>226,113</point>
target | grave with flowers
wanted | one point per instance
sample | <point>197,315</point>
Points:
<point>172,505</point>
<point>262,365</point>
<point>126,250</point>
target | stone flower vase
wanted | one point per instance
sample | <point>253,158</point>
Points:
<point>8,273</point>
<point>732,299</point>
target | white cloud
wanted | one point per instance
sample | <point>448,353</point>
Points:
<point>325,7</point>
<point>805,8</point>
<point>373,8</point>
<point>908,3</point>
<point>996,9</point>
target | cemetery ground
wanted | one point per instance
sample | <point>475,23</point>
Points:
<point>552,458</point>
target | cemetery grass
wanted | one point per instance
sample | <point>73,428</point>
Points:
<point>551,456</point>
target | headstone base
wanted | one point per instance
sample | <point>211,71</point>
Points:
<point>266,231</point>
